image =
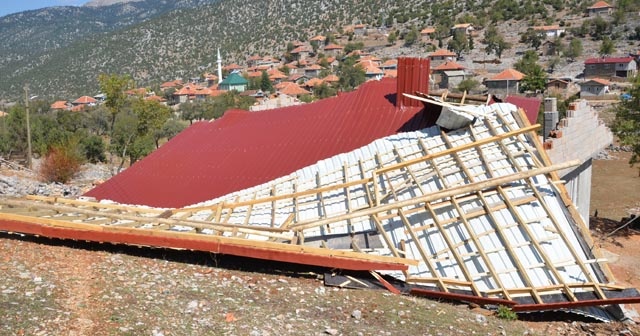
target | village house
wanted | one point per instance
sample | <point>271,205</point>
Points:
<point>331,79</point>
<point>391,64</point>
<point>233,68</point>
<point>318,38</point>
<point>448,74</point>
<point>440,56</point>
<point>451,79</point>
<point>427,33</point>
<point>599,8</point>
<point>360,29</point>
<point>301,53</point>
<point>60,105</point>
<point>466,28</point>
<point>175,84</point>
<point>371,70</point>
<point>610,67</point>
<point>594,87</point>
<point>291,89</point>
<point>557,85</point>
<point>333,49</point>
<point>505,83</point>
<point>276,75</point>
<point>550,31</point>
<point>85,101</point>
<point>549,48</point>
<point>312,71</point>
<point>298,78</point>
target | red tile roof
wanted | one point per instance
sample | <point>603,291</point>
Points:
<point>244,149</point>
<point>449,65</point>
<point>232,67</point>
<point>85,100</point>
<point>171,84</point>
<point>333,46</point>
<point>293,89</point>
<point>608,60</point>
<point>428,30</point>
<point>59,105</point>
<point>313,82</point>
<point>390,63</point>
<point>300,49</point>
<point>391,73</point>
<point>547,28</point>
<point>442,53</point>
<point>156,98</point>
<point>600,4</point>
<point>318,38</point>
<point>138,91</point>
<point>599,81</point>
<point>254,74</point>
<point>508,74</point>
<point>331,78</point>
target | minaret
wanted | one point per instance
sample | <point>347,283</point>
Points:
<point>219,67</point>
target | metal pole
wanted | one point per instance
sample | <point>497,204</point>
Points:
<point>26,98</point>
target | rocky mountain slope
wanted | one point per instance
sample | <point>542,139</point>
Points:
<point>61,51</point>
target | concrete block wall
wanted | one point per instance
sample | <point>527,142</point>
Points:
<point>580,135</point>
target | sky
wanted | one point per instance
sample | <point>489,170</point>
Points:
<point>14,6</point>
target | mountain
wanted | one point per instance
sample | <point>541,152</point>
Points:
<point>100,3</point>
<point>33,41</point>
<point>152,41</point>
<point>61,51</point>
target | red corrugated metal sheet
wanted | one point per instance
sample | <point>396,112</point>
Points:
<point>244,149</point>
<point>530,105</point>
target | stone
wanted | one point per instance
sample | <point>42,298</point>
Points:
<point>481,318</point>
<point>331,331</point>
<point>356,314</point>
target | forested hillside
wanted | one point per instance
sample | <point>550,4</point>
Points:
<point>61,51</point>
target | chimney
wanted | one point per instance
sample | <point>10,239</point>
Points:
<point>550,116</point>
<point>413,77</point>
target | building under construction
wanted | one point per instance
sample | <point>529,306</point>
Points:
<point>458,201</point>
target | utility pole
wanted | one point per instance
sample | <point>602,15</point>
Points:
<point>26,99</point>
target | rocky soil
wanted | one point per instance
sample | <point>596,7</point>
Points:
<point>53,287</point>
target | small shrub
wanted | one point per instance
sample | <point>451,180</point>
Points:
<point>60,165</point>
<point>506,313</point>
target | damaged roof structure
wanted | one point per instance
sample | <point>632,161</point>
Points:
<point>458,201</point>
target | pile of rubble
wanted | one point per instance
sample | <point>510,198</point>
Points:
<point>16,180</point>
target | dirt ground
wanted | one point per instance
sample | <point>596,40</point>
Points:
<point>50,287</point>
<point>615,194</point>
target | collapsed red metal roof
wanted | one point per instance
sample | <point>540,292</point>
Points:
<point>243,149</point>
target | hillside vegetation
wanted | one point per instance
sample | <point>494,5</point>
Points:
<point>61,51</point>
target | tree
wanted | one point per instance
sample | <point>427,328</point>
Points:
<point>350,73</point>
<point>393,36</point>
<point>531,37</point>
<point>495,42</point>
<point>535,80</point>
<point>607,47</point>
<point>351,46</point>
<point>411,37</point>
<point>575,49</point>
<point>535,77</point>
<point>627,122</point>
<point>114,87</point>
<point>458,43</point>
<point>265,82</point>
<point>468,85</point>
<point>323,91</point>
